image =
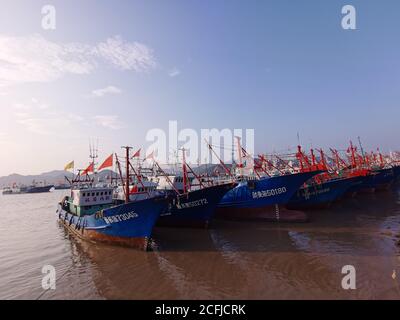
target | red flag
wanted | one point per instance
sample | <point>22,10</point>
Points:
<point>134,189</point>
<point>137,154</point>
<point>150,156</point>
<point>107,163</point>
<point>89,169</point>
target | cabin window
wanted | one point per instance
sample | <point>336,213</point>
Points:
<point>101,193</point>
<point>97,194</point>
<point>92,194</point>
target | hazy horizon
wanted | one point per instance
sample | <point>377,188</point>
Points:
<point>113,71</point>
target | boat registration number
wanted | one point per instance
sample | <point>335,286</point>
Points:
<point>120,217</point>
<point>268,193</point>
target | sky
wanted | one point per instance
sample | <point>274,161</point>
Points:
<point>113,70</point>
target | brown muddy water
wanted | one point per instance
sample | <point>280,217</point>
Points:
<point>232,260</point>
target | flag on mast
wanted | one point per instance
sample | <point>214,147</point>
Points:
<point>69,166</point>
<point>137,154</point>
<point>89,169</point>
<point>150,156</point>
<point>108,163</point>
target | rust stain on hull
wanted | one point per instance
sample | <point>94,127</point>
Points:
<point>92,235</point>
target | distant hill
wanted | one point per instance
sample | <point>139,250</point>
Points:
<point>55,177</point>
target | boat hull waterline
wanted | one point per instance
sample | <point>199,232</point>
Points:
<point>128,224</point>
<point>264,199</point>
<point>196,209</point>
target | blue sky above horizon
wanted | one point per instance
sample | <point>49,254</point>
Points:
<point>114,70</point>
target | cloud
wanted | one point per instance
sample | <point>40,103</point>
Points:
<point>174,72</point>
<point>36,125</point>
<point>104,91</point>
<point>36,59</point>
<point>34,103</point>
<point>108,121</point>
<point>75,117</point>
<point>22,106</point>
<point>35,122</point>
<point>38,118</point>
<point>125,55</point>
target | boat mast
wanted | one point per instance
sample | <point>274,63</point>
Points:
<point>220,161</point>
<point>239,155</point>
<point>353,156</point>
<point>361,147</point>
<point>127,173</point>
<point>185,175</point>
<point>93,155</point>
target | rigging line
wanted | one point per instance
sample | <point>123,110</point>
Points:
<point>224,147</point>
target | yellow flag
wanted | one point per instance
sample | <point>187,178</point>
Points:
<point>69,166</point>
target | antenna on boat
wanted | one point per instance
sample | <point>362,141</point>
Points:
<point>93,152</point>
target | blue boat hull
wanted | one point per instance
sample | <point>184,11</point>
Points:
<point>396,172</point>
<point>196,209</point>
<point>321,195</point>
<point>384,179</point>
<point>124,224</point>
<point>263,199</point>
<point>380,180</point>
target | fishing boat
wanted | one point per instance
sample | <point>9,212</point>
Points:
<point>34,188</point>
<point>92,213</point>
<point>11,190</point>
<point>193,208</point>
<point>378,175</point>
<point>138,190</point>
<point>323,189</point>
<point>321,195</point>
<point>62,187</point>
<point>37,188</point>
<point>383,179</point>
<point>396,172</point>
<point>193,200</point>
<point>263,197</point>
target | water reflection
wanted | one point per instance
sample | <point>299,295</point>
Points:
<point>231,260</point>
